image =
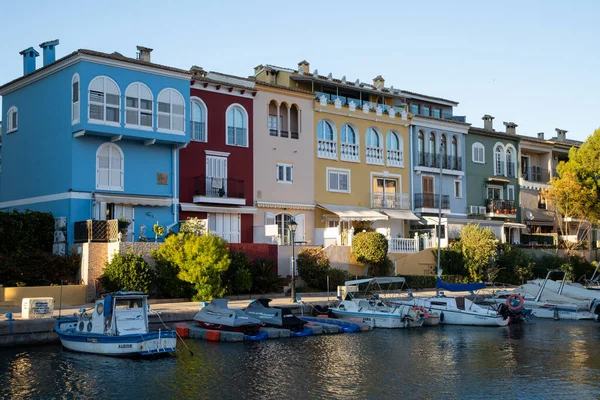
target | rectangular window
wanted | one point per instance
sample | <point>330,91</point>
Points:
<point>273,125</point>
<point>425,111</point>
<point>284,173</point>
<point>338,181</point>
<point>458,189</point>
<point>414,108</point>
<point>510,192</point>
<point>494,192</point>
<point>436,113</point>
<point>478,154</point>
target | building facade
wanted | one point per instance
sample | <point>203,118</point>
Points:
<point>216,176</point>
<point>102,133</point>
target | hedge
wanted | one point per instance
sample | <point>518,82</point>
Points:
<point>25,231</point>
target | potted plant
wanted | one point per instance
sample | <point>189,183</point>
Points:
<point>513,211</point>
<point>505,211</point>
<point>123,224</point>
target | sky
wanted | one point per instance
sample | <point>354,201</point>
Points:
<point>530,62</point>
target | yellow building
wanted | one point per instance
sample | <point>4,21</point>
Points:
<point>361,150</point>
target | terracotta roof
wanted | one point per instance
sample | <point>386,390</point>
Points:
<point>114,56</point>
<point>284,87</point>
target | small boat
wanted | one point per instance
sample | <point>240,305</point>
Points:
<point>217,315</point>
<point>277,317</point>
<point>370,308</point>
<point>578,293</point>
<point>116,326</point>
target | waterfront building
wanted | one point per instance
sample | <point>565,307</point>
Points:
<point>283,161</point>
<point>94,136</point>
<point>360,147</point>
<point>216,175</point>
<point>437,141</point>
<point>493,179</point>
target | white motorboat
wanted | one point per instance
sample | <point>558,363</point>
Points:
<point>116,326</point>
<point>368,307</point>
<point>577,293</point>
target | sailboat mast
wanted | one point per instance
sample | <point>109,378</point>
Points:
<point>439,232</point>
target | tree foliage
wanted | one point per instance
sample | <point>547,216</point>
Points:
<point>201,261</point>
<point>514,265</point>
<point>25,231</point>
<point>264,279</point>
<point>478,249</point>
<point>370,247</point>
<point>192,225</point>
<point>128,272</point>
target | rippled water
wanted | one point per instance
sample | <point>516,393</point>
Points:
<point>545,359</point>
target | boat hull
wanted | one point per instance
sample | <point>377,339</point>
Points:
<point>451,317</point>
<point>375,321</point>
<point>553,311</point>
<point>249,329</point>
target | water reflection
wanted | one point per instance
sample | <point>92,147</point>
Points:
<point>545,359</point>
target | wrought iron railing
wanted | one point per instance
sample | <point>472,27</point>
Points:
<point>535,174</point>
<point>430,200</point>
<point>433,160</point>
<point>390,200</point>
<point>495,206</point>
<point>218,187</point>
<point>96,231</point>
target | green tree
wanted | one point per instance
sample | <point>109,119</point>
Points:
<point>478,249</point>
<point>128,272</point>
<point>370,247</point>
<point>237,278</point>
<point>514,265</point>
<point>201,261</point>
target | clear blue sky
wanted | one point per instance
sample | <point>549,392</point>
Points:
<point>531,62</point>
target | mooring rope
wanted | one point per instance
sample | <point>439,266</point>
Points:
<point>176,333</point>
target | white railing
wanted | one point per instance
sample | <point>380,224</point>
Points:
<point>403,245</point>
<point>390,200</point>
<point>374,155</point>
<point>326,148</point>
<point>395,158</point>
<point>350,152</point>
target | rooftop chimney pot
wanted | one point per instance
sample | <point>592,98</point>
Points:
<point>561,135</point>
<point>488,122</point>
<point>303,67</point>
<point>511,128</point>
<point>540,135</point>
<point>144,53</point>
<point>49,51</point>
<point>29,56</point>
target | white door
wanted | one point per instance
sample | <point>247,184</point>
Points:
<point>216,176</point>
<point>226,226</point>
<point>299,236</point>
<point>125,211</point>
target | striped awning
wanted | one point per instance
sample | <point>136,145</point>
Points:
<point>353,213</point>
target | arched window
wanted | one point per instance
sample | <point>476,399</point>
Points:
<point>349,148</point>
<point>372,138</point>
<point>75,113</point>
<point>347,134</point>
<point>274,118</point>
<point>498,161</point>
<point>432,150</point>
<point>444,152</point>
<point>510,168</point>
<point>283,232</point>
<point>171,111</point>
<point>237,126</point>
<point>478,153</point>
<point>395,151</point>
<point>326,140</point>
<point>392,142</point>
<point>138,105</point>
<point>421,148</point>
<point>325,131</point>
<point>294,121</point>
<point>104,101</point>
<point>374,147</point>
<point>109,167</point>
<point>198,124</point>
<point>454,154</point>
<point>12,116</point>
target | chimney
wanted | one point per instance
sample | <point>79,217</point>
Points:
<point>303,67</point>
<point>29,56</point>
<point>561,135</point>
<point>511,128</point>
<point>144,53</point>
<point>379,82</point>
<point>488,122</point>
<point>49,51</point>
<point>199,71</point>
<point>541,135</point>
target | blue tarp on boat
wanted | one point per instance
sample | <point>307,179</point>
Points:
<point>459,287</point>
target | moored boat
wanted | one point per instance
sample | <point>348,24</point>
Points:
<point>217,315</point>
<point>278,317</point>
<point>116,326</point>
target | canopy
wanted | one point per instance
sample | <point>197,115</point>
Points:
<point>459,287</point>
<point>386,279</point>
<point>220,210</point>
<point>515,225</point>
<point>401,214</point>
<point>354,213</point>
<point>153,201</point>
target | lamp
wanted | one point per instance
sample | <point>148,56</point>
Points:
<point>292,225</point>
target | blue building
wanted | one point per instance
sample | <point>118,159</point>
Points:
<point>437,139</point>
<point>94,136</point>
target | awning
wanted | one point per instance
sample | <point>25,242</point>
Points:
<point>539,223</point>
<point>503,181</point>
<point>153,201</point>
<point>401,214</point>
<point>534,216</point>
<point>354,213</point>
<point>219,210</point>
<point>284,205</point>
<point>515,225</point>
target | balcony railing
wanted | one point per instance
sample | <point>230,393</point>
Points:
<point>330,98</point>
<point>426,159</point>
<point>96,231</point>
<point>218,187</point>
<point>429,200</point>
<point>535,174</point>
<point>327,149</point>
<point>403,245</point>
<point>494,206</point>
<point>433,160</point>
<point>350,152</point>
<point>395,158</point>
<point>390,200</point>
<point>374,155</point>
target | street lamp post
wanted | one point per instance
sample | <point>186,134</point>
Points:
<point>292,226</point>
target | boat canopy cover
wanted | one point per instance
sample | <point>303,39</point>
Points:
<point>459,287</point>
<point>387,279</point>
<point>107,305</point>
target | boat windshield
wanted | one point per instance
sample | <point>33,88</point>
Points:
<point>128,303</point>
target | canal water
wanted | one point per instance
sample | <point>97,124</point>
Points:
<point>541,360</point>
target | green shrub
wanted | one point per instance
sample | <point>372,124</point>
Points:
<point>264,280</point>
<point>38,268</point>
<point>26,231</point>
<point>313,265</point>
<point>452,261</point>
<point>234,279</point>
<point>337,277</point>
<point>127,272</point>
<point>370,247</point>
<point>168,285</point>
<point>514,265</point>
<point>384,268</point>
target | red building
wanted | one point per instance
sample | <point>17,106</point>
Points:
<point>216,167</point>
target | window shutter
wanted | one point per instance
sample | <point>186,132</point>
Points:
<point>300,234</point>
<point>289,177</point>
<point>269,218</point>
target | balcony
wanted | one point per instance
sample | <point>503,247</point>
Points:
<point>403,245</point>
<point>358,103</point>
<point>327,149</point>
<point>395,158</point>
<point>500,208</point>
<point>96,231</point>
<point>535,174</point>
<point>350,152</point>
<point>396,201</point>
<point>430,200</point>
<point>374,155</point>
<point>433,160</point>
<point>218,190</point>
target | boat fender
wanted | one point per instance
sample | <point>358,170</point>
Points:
<point>81,326</point>
<point>89,326</point>
<point>510,302</point>
<point>442,316</point>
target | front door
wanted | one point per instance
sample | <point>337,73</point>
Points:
<point>216,176</point>
<point>428,192</point>
<point>126,212</point>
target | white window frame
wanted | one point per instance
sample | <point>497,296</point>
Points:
<point>487,187</point>
<point>514,157</point>
<point>112,147</point>
<point>245,125</point>
<point>460,189</point>
<point>202,105</point>
<point>11,116</point>
<point>75,105</point>
<point>329,171</point>
<point>510,189</point>
<point>502,160</point>
<point>287,178</point>
<point>139,110</point>
<point>104,104</point>
<point>171,92</point>
<point>476,146</point>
